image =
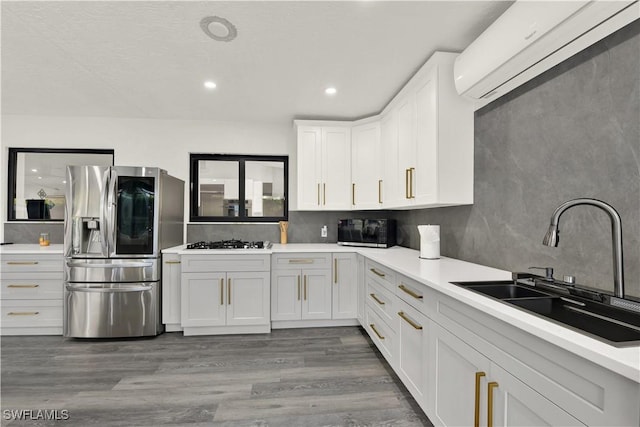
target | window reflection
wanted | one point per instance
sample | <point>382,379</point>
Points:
<point>37,180</point>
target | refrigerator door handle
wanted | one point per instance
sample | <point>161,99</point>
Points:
<point>106,209</point>
<point>113,265</point>
<point>112,207</point>
<point>108,290</point>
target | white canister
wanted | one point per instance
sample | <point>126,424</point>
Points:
<point>429,241</point>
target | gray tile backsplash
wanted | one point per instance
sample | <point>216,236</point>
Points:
<point>571,132</point>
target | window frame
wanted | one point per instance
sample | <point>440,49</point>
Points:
<point>195,158</point>
<point>12,170</point>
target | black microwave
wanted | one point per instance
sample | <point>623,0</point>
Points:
<point>375,233</point>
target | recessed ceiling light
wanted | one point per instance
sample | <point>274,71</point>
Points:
<point>39,177</point>
<point>218,28</point>
<point>331,91</point>
<point>210,84</point>
<point>64,182</point>
<point>34,170</point>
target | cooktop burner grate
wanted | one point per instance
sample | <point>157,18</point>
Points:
<point>226,244</point>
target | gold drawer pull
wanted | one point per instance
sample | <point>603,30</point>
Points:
<point>490,388</point>
<point>374,271</point>
<point>373,327</point>
<point>476,419</point>
<point>172,262</point>
<point>318,194</point>
<point>335,270</point>
<point>410,292</point>
<point>305,287</point>
<point>353,193</point>
<point>379,191</point>
<point>22,262</point>
<point>23,286</point>
<point>24,313</point>
<point>377,299</point>
<point>300,261</point>
<point>409,321</point>
<point>229,291</point>
<point>298,288</point>
<point>407,195</point>
<point>221,291</point>
<point>324,193</point>
<point>411,179</point>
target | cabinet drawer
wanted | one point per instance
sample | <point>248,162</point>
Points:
<point>301,260</point>
<point>31,263</point>
<point>382,301</point>
<point>382,274</point>
<point>31,313</point>
<point>381,334</point>
<point>415,294</point>
<point>204,263</point>
<point>47,285</point>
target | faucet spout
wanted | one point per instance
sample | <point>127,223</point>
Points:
<point>553,236</point>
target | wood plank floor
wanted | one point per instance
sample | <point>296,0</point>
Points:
<point>291,377</point>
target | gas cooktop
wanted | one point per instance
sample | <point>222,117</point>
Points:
<point>229,244</point>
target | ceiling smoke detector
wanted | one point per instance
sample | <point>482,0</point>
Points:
<point>218,28</point>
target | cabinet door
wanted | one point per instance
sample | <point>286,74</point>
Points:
<point>412,355</point>
<point>366,172</point>
<point>391,194</point>
<point>316,294</point>
<point>248,298</point>
<point>407,147</point>
<point>170,289</point>
<point>361,288</point>
<point>286,295</point>
<point>516,404</point>
<point>345,287</point>
<point>425,176</point>
<point>309,168</point>
<point>203,299</point>
<point>336,168</point>
<point>452,397</point>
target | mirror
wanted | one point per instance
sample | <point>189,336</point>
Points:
<point>37,180</point>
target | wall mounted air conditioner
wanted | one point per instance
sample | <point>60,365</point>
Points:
<point>531,37</point>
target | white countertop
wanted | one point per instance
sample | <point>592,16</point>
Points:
<point>22,248</point>
<point>438,273</point>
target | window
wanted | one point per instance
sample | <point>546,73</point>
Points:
<point>239,188</point>
<point>37,180</point>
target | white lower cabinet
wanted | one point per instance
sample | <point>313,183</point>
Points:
<point>468,389</point>
<point>345,286</point>
<point>225,302</point>
<point>171,277</point>
<point>31,294</point>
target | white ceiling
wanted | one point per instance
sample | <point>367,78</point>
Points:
<point>149,59</point>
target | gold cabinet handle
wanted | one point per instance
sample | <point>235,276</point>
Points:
<point>406,184</point>
<point>23,313</point>
<point>335,270</point>
<point>318,194</point>
<point>410,292</point>
<point>411,193</point>
<point>376,299</point>
<point>373,327</point>
<point>22,262</point>
<point>476,416</point>
<point>324,193</point>
<point>305,287</point>
<point>409,321</point>
<point>490,388</point>
<point>300,261</point>
<point>229,291</point>
<point>298,288</point>
<point>172,262</point>
<point>353,193</point>
<point>221,291</point>
<point>23,286</point>
<point>379,191</point>
<point>377,272</point>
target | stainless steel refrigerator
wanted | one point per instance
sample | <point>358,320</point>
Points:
<point>117,221</point>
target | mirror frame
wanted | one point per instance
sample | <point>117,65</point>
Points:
<point>13,162</point>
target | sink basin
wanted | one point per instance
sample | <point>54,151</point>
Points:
<point>615,326</point>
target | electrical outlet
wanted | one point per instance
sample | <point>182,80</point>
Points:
<point>323,231</point>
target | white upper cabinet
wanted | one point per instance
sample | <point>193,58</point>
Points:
<point>424,154</point>
<point>324,167</point>
<point>366,170</point>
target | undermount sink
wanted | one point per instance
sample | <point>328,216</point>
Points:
<point>615,326</point>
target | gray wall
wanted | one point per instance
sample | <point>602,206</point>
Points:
<point>572,132</point>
